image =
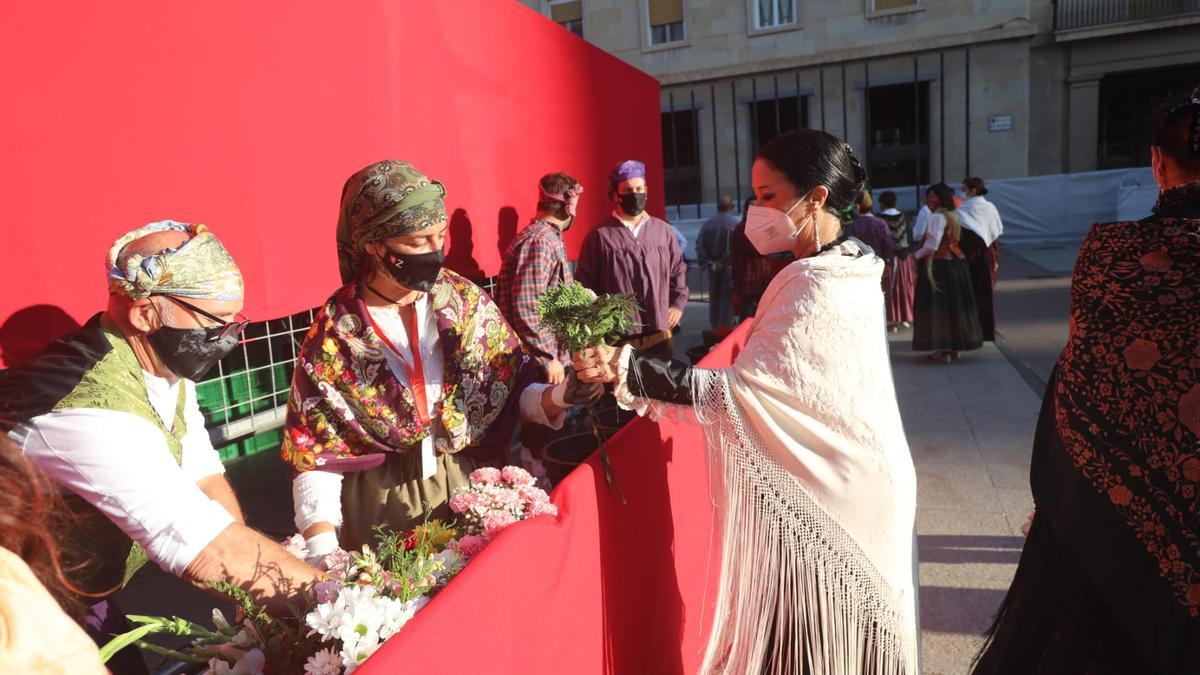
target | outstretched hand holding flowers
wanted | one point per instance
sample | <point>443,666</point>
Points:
<point>587,324</point>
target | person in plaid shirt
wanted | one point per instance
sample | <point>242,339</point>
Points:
<point>537,260</point>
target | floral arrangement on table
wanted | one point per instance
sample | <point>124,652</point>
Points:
<point>580,319</point>
<point>370,594</point>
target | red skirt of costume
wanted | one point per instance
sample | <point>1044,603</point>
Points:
<point>901,290</point>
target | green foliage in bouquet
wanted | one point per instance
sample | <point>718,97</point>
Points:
<point>579,319</point>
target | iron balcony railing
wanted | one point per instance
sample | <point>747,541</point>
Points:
<point>1071,14</point>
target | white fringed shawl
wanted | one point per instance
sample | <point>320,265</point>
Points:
<point>816,483</point>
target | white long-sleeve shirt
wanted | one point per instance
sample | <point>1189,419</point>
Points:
<point>317,495</point>
<point>120,463</point>
<point>935,227</point>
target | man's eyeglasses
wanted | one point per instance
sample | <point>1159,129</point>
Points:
<point>222,330</point>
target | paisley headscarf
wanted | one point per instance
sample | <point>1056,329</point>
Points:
<point>386,199</point>
<point>198,268</point>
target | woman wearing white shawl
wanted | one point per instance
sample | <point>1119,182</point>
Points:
<point>981,230</point>
<point>816,485</point>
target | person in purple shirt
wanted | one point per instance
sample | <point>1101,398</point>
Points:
<point>873,231</point>
<point>635,253</point>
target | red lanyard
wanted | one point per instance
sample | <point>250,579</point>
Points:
<point>416,374</point>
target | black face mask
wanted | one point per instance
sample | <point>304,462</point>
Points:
<point>567,224</point>
<point>414,271</point>
<point>192,352</point>
<point>633,203</point>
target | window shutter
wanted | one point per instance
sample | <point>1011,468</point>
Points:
<point>663,12</point>
<point>563,12</point>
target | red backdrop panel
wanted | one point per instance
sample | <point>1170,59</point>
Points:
<point>249,116</point>
<point>604,589</point>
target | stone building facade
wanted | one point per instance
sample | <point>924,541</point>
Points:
<point>924,90</point>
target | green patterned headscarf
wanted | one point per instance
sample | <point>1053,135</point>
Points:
<point>199,268</point>
<point>386,199</point>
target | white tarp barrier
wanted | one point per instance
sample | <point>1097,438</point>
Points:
<point>1051,209</point>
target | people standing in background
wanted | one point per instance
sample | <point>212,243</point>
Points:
<point>715,255</point>
<point>921,221</point>
<point>873,231</point>
<point>944,307</point>
<point>752,271</point>
<point>981,245</point>
<point>904,271</point>
<point>635,253</point>
<point>535,261</point>
<point>682,241</point>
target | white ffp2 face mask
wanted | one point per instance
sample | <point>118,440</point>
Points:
<point>772,230</point>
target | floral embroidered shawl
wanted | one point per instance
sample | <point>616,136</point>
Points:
<point>1116,464</point>
<point>347,407</point>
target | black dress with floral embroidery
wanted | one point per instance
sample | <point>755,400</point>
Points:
<point>1109,579</point>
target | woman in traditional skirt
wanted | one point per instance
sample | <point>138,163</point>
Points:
<point>903,284</point>
<point>1109,578</point>
<point>945,319</point>
<point>816,484</point>
<point>409,378</point>
<point>981,230</point>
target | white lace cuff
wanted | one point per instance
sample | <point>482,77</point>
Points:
<point>625,398</point>
<point>533,411</point>
<point>317,497</point>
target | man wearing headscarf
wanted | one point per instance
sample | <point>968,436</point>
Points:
<point>635,253</point>
<point>110,413</point>
<point>409,378</point>
<point>535,261</point>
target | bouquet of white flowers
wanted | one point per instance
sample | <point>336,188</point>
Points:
<point>370,594</point>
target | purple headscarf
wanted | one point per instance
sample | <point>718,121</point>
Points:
<point>630,168</point>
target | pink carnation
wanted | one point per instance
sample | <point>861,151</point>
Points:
<point>541,509</point>
<point>496,521</point>
<point>470,545</point>
<point>486,476</point>
<point>516,476</point>
<point>532,495</point>
<point>338,564</point>
<point>296,545</point>
<point>463,501</point>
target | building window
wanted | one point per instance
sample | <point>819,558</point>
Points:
<point>893,5</point>
<point>666,21</point>
<point>681,157</point>
<point>774,13</point>
<point>773,117</point>
<point>1129,107</point>
<point>899,134</point>
<point>568,14</point>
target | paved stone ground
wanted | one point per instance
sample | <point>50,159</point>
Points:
<point>969,427</point>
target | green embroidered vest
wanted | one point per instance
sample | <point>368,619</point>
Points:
<point>94,368</point>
